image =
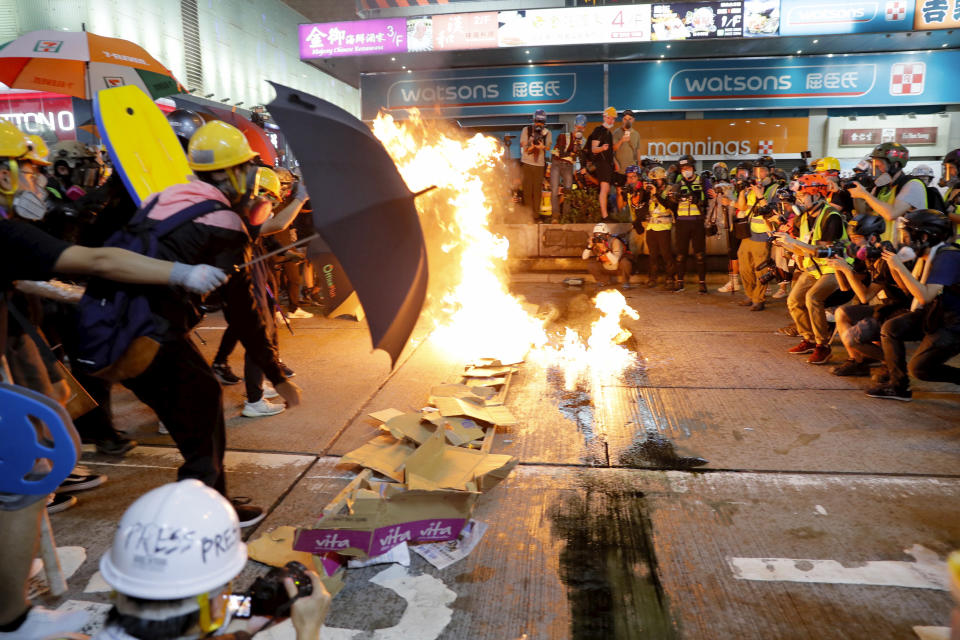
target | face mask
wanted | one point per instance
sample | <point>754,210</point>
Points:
<point>578,135</point>
<point>628,125</point>
<point>687,173</point>
<point>879,173</point>
<point>538,127</point>
<point>607,126</point>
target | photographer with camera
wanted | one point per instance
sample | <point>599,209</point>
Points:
<point>823,235</point>
<point>894,193</point>
<point>723,213</point>
<point>859,322</point>
<point>173,560</point>
<point>563,157</point>
<point>691,192</point>
<point>600,145</point>
<point>757,193</point>
<point>607,257</point>
<point>839,198</point>
<point>535,139</point>
<point>934,316</point>
<point>950,179</point>
<point>656,208</point>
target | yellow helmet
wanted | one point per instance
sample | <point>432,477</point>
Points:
<point>826,164</point>
<point>37,150</point>
<point>270,182</point>
<point>218,145</point>
<point>13,143</point>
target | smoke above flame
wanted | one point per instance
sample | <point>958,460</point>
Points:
<point>475,314</point>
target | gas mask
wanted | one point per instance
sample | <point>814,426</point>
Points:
<point>30,202</point>
<point>949,175</point>
<point>538,127</point>
<point>879,170</point>
<point>242,189</point>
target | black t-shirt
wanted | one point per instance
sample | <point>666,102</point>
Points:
<point>832,229</point>
<point>26,252</point>
<point>603,136</point>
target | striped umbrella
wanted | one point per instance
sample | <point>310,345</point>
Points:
<point>79,63</point>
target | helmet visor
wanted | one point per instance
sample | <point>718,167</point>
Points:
<point>878,167</point>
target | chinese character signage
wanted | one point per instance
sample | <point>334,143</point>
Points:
<point>459,31</point>
<point>815,17</point>
<point>816,81</point>
<point>937,14</point>
<point>356,38</point>
<point>761,18</point>
<point>860,137</point>
<point>500,91</point>
<point>598,25</point>
<point>697,20</point>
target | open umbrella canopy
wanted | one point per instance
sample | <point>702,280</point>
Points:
<point>363,209</point>
<point>79,63</point>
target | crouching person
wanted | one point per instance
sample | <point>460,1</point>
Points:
<point>173,560</point>
<point>934,318</point>
<point>606,256</point>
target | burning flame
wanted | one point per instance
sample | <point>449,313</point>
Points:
<point>475,314</point>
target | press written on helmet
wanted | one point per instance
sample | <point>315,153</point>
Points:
<point>179,544</point>
<point>950,169</point>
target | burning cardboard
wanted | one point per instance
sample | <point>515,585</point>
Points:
<point>381,518</point>
<point>491,415</point>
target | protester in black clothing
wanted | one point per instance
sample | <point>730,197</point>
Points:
<point>934,318</point>
<point>600,144</point>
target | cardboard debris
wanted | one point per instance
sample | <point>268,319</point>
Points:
<point>400,554</point>
<point>487,372</point>
<point>435,465</point>
<point>410,425</point>
<point>485,382</point>
<point>385,415</point>
<point>379,520</point>
<point>275,548</point>
<point>459,431</point>
<point>384,454</point>
<point>443,554</point>
<point>478,394</point>
<point>496,362</point>
<point>493,415</point>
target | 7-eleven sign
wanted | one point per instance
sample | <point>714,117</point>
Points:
<point>48,46</point>
<point>112,82</point>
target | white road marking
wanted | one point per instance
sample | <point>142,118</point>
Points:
<point>70,560</point>
<point>932,633</point>
<point>928,572</point>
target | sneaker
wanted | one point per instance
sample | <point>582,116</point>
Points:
<point>299,314</point>
<point>851,367</point>
<point>247,513</point>
<point>678,286</point>
<point>287,371</point>
<point>116,446</point>
<point>626,285</point>
<point>746,302</point>
<point>57,502</point>
<point>821,355</point>
<point>268,391</point>
<point>758,306</point>
<point>702,288</point>
<point>727,288</point>
<point>46,623</point>
<point>804,347</point>
<point>80,479</point>
<point>261,408</point>
<point>890,392</point>
<point>225,374</point>
<point>782,290</point>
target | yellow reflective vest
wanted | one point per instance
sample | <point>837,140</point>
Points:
<point>819,266</point>
<point>661,218</point>
<point>757,223</point>
<point>887,195</point>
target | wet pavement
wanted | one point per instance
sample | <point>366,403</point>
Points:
<point>722,489</point>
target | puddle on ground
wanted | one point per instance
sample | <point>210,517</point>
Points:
<point>652,449</point>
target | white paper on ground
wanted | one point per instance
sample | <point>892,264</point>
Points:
<point>443,554</point>
<point>400,554</point>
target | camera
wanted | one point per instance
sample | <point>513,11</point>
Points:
<point>768,267</point>
<point>873,252</point>
<point>268,596</point>
<point>864,180</point>
<point>834,251</point>
<point>684,193</point>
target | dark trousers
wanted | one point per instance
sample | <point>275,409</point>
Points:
<point>533,188</point>
<point>180,387</point>
<point>658,246</point>
<point>928,361</point>
<point>252,373</point>
<point>691,232</point>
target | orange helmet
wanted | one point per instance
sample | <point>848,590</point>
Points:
<point>812,183</point>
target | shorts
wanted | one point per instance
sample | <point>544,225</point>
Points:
<point>604,170</point>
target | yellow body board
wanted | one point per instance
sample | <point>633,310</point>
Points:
<point>145,151</point>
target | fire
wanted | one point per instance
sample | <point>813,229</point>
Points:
<point>475,314</point>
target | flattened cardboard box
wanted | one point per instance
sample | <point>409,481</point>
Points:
<point>378,520</point>
<point>436,465</point>
<point>384,454</point>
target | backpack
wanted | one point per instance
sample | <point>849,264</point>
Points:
<point>935,200</point>
<point>119,336</point>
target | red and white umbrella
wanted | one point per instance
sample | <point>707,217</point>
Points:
<point>79,63</point>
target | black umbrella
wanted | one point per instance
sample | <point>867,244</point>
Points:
<point>363,209</point>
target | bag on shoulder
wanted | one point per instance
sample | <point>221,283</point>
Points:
<point>119,334</point>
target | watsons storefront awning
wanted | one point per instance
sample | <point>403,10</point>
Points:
<point>855,80</point>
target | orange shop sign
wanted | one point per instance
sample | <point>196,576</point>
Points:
<point>721,138</point>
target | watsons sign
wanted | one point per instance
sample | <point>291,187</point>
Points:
<point>561,89</point>
<point>803,17</point>
<point>772,82</point>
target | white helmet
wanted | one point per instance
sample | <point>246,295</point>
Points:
<point>923,171</point>
<point>601,227</point>
<point>179,540</point>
